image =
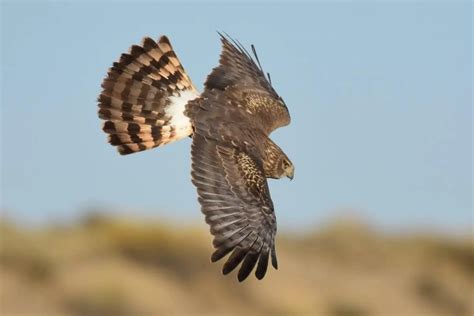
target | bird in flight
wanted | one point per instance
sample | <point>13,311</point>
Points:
<point>148,100</point>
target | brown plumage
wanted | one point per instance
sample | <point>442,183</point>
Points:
<point>148,100</point>
<point>136,94</point>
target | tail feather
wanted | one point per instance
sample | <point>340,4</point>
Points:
<point>144,96</point>
<point>115,104</point>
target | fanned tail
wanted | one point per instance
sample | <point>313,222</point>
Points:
<point>144,96</point>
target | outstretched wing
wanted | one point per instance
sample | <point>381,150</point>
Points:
<point>235,199</point>
<point>241,77</point>
<point>237,67</point>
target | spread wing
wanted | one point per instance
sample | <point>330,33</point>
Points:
<point>240,77</point>
<point>237,67</point>
<point>235,199</point>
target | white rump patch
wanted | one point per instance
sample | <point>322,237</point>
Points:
<point>175,110</point>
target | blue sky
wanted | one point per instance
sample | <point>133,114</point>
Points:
<point>380,96</point>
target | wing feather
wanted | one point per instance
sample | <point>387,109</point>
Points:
<point>239,81</point>
<point>237,67</point>
<point>250,259</point>
<point>262,262</point>
<point>235,199</point>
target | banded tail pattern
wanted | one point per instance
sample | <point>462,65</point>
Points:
<point>144,96</point>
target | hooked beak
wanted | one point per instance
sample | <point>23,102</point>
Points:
<point>291,173</point>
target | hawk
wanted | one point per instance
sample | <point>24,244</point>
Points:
<point>148,100</point>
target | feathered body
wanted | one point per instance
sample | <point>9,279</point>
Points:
<point>148,100</point>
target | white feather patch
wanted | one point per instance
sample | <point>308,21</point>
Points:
<point>175,110</point>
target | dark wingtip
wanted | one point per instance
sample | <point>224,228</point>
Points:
<point>260,275</point>
<point>274,258</point>
<point>219,254</point>
<point>226,270</point>
<point>247,266</point>
<point>241,277</point>
<point>234,260</point>
<point>269,78</point>
<point>262,266</point>
<point>224,36</point>
<point>214,257</point>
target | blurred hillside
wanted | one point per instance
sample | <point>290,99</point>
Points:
<point>110,266</point>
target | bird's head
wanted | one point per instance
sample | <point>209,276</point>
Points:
<point>286,168</point>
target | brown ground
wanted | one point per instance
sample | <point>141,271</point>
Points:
<point>112,267</point>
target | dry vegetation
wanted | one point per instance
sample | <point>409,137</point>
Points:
<point>115,267</point>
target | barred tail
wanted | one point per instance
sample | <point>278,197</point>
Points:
<point>144,96</point>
